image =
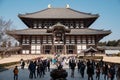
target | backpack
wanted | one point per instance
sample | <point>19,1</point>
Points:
<point>15,71</point>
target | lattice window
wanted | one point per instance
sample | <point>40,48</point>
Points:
<point>84,40</point>
<point>35,49</point>
<point>78,39</point>
<point>25,51</point>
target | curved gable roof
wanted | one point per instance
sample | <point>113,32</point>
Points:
<point>58,13</point>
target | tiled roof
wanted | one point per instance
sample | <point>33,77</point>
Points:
<point>58,26</point>
<point>83,31</point>
<point>88,31</point>
<point>10,48</point>
<point>29,32</point>
<point>109,47</point>
<point>90,49</point>
<point>58,13</point>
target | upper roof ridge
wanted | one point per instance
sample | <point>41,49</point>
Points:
<point>32,12</point>
<point>59,13</point>
<point>83,12</point>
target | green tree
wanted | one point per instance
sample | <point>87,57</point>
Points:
<point>102,43</point>
<point>118,42</point>
<point>110,43</point>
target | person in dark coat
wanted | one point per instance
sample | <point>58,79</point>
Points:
<point>70,61</point>
<point>101,63</point>
<point>90,72</point>
<point>73,65</point>
<point>32,69</point>
<point>38,70</point>
<point>22,63</point>
<point>79,65</point>
<point>112,72</point>
<point>105,71</point>
<point>118,74</point>
<point>88,63</point>
<point>48,65</point>
<point>42,70</point>
<point>82,69</point>
<point>97,72</point>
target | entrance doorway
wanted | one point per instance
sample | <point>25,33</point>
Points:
<point>59,49</point>
<point>46,49</point>
<point>70,49</point>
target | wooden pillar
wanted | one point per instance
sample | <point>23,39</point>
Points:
<point>96,40</point>
<point>30,39</point>
<point>75,49</point>
<point>65,49</point>
<point>53,49</point>
<point>41,49</point>
<point>87,41</point>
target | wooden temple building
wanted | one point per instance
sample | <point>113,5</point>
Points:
<point>58,30</point>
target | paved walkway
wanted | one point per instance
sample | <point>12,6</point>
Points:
<point>23,75</point>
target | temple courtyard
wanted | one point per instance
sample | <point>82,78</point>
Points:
<point>24,74</point>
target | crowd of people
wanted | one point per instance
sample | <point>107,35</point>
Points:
<point>95,68</point>
<point>38,68</point>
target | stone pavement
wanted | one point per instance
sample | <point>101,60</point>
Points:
<point>23,75</point>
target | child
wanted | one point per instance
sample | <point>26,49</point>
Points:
<point>15,71</point>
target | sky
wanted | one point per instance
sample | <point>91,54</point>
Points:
<point>109,11</point>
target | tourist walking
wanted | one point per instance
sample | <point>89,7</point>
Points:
<point>48,64</point>
<point>82,69</point>
<point>72,66</point>
<point>101,63</point>
<point>22,63</point>
<point>90,72</point>
<point>38,71</point>
<point>42,69</point>
<point>79,65</point>
<point>105,71</point>
<point>111,72</point>
<point>15,71</point>
<point>97,72</point>
<point>118,74</point>
<point>32,69</point>
<point>70,61</point>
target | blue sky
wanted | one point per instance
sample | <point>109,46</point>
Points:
<point>109,11</point>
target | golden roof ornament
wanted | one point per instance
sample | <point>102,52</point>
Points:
<point>67,6</point>
<point>49,5</point>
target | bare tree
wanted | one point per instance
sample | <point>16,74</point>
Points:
<point>16,44</point>
<point>4,44</point>
<point>5,40</point>
<point>4,26</point>
<point>9,43</point>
